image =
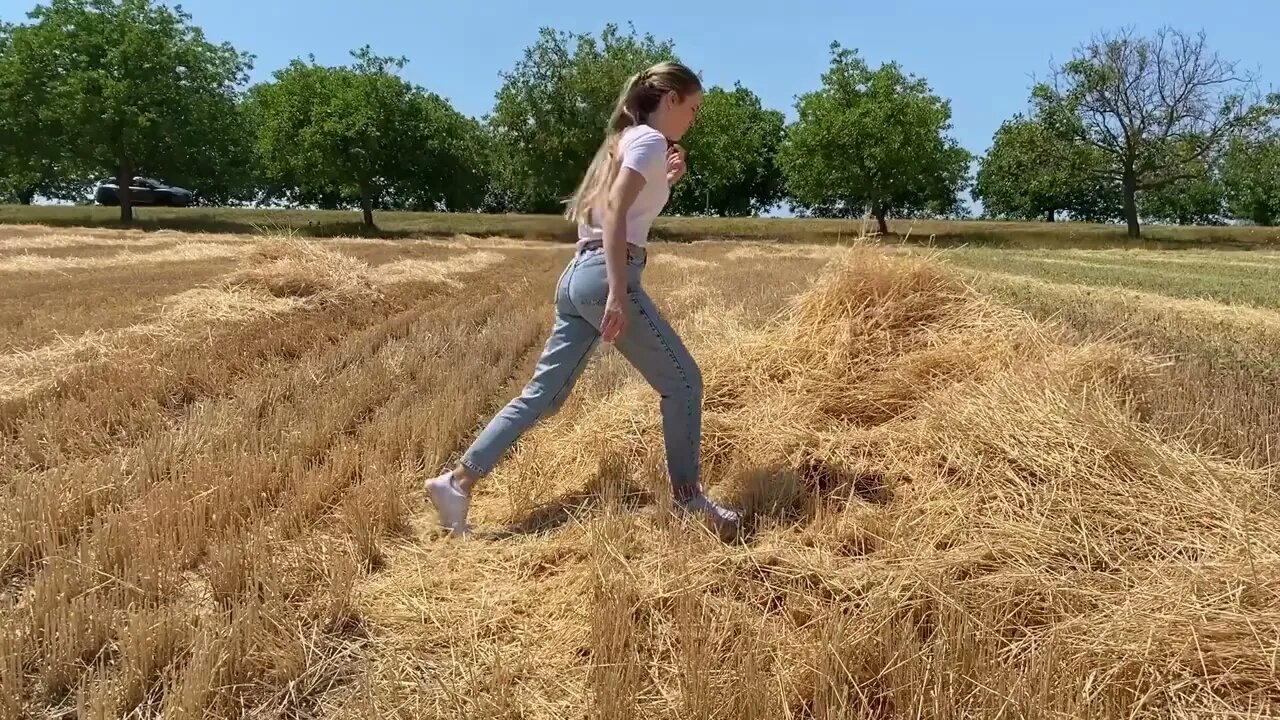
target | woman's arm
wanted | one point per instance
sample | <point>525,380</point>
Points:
<point>643,160</point>
<point>626,187</point>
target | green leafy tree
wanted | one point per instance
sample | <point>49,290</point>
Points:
<point>222,166</point>
<point>31,161</point>
<point>1154,107</point>
<point>1031,173</point>
<point>1098,200</point>
<point>1194,201</point>
<point>456,159</point>
<point>26,173</point>
<point>1251,179</point>
<point>872,139</point>
<point>125,85</point>
<point>732,151</point>
<point>551,111</point>
<point>334,135</point>
<point>1196,197</point>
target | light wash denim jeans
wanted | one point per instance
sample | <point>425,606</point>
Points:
<point>648,343</point>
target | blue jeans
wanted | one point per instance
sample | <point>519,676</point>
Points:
<point>648,343</point>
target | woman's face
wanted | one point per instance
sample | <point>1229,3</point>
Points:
<point>680,113</point>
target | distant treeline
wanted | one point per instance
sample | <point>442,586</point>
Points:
<point>1154,127</point>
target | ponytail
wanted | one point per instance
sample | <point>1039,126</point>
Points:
<point>639,97</point>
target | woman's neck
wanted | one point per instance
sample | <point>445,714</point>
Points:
<point>656,121</point>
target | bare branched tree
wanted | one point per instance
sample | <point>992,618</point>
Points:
<point>1158,107</point>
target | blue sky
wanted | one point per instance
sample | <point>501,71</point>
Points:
<point>982,54</point>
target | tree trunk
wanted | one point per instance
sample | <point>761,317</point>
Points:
<point>1130,189</point>
<point>26,195</point>
<point>366,204</point>
<point>878,211</point>
<point>1050,215</point>
<point>124,178</point>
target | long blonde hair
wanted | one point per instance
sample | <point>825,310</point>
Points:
<point>639,98</point>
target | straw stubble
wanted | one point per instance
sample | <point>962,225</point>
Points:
<point>957,514</point>
<point>954,511</point>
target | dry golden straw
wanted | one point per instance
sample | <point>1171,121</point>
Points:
<point>185,252</point>
<point>279,277</point>
<point>286,267</point>
<point>447,272</point>
<point>956,515</point>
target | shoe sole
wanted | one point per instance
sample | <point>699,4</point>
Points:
<point>702,517</point>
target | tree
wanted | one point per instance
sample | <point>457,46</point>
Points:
<point>551,111</point>
<point>872,139</point>
<point>362,134</point>
<point>1251,179</point>
<point>128,85</point>
<point>1196,197</point>
<point>30,160</point>
<point>1155,107</point>
<point>1195,201</point>
<point>732,156</point>
<point>1097,200</point>
<point>30,172</point>
<point>1031,173</point>
<point>456,159</point>
<point>222,167</point>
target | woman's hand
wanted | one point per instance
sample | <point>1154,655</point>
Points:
<point>615,319</point>
<point>676,164</point>
<point>622,195</point>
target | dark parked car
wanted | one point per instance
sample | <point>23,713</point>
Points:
<point>143,191</point>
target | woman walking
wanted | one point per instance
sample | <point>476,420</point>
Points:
<point>600,297</point>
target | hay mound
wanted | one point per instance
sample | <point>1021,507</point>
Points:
<point>277,277</point>
<point>288,267</point>
<point>197,310</point>
<point>964,505</point>
<point>211,305</point>
<point>446,272</point>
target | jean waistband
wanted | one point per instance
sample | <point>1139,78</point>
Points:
<point>633,251</point>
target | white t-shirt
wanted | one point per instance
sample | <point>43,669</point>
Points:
<point>644,150</point>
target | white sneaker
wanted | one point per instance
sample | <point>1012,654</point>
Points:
<point>451,503</point>
<point>721,517</point>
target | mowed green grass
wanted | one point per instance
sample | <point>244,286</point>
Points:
<point>332,223</point>
<point>1214,307</point>
<point>1247,279</point>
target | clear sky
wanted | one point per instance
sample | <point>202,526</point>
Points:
<point>982,54</point>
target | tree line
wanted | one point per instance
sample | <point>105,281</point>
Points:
<point>1131,128</point>
<point>1134,127</point>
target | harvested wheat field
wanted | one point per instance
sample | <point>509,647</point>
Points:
<point>960,505</point>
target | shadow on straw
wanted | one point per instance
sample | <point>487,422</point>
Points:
<point>769,495</point>
<point>774,495</point>
<point>610,488</point>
